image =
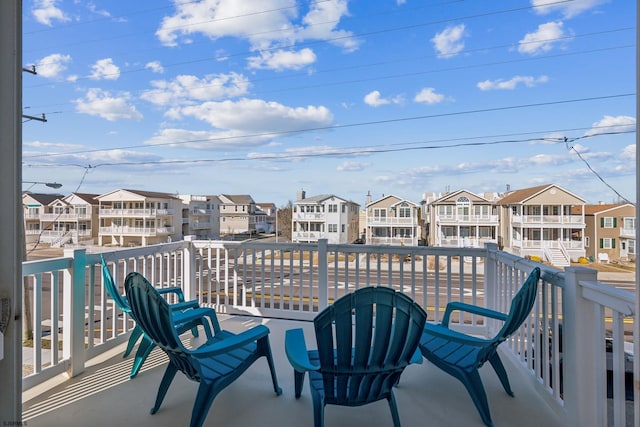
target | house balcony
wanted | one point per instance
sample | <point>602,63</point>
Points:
<point>84,380</point>
<point>70,217</point>
<point>136,231</point>
<point>465,242</point>
<point>306,236</point>
<point>548,221</point>
<point>409,241</point>
<point>628,233</point>
<point>391,222</point>
<point>309,216</point>
<point>135,213</point>
<point>482,220</point>
<point>200,225</point>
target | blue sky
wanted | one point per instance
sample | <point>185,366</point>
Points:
<point>331,96</point>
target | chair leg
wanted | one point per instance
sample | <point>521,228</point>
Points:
<point>502,373</point>
<point>168,376</point>
<point>206,393</point>
<point>298,379</point>
<point>318,411</point>
<point>394,409</point>
<point>473,383</point>
<point>145,347</point>
<point>265,349</point>
<point>136,333</point>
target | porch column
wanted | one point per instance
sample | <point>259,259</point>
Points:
<point>11,214</point>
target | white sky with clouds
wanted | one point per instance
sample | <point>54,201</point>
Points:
<point>331,96</point>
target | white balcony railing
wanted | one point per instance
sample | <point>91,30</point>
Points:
<point>467,219</point>
<point>548,220</point>
<point>71,217</point>
<point>105,212</point>
<point>391,221</point>
<point>296,281</point>
<point>137,231</point>
<point>628,233</point>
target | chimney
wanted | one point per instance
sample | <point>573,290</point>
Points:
<point>368,198</point>
<point>301,195</point>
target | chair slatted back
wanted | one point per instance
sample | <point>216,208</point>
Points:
<point>152,313</point>
<point>110,284</point>
<point>365,340</point>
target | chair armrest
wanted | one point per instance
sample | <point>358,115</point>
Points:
<point>469,308</point>
<point>172,290</point>
<point>184,319</point>
<point>296,349</point>
<point>441,331</point>
<point>230,342</point>
<point>181,306</point>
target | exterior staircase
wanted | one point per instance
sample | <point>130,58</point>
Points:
<point>557,257</point>
<point>60,241</point>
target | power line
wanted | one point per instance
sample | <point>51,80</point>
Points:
<point>571,147</point>
<point>351,125</point>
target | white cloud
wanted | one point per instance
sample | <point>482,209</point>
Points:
<point>155,67</point>
<point>206,140</point>
<point>98,102</point>
<point>187,88</point>
<point>352,166</point>
<point>105,69</point>
<point>448,43</point>
<point>256,115</point>
<point>53,65</point>
<point>612,124</point>
<point>46,11</point>
<point>281,26</point>
<point>543,39</point>
<point>428,95</point>
<point>528,81</point>
<point>628,152</point>
<point>283,59</point>
<point>374,99</point>
<point>568,9</point>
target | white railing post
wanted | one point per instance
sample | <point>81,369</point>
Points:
<point>73,322</point>
<point>581,338</point>
<point>189,265</point>
<point>491,282</point>
<point>323,274</point>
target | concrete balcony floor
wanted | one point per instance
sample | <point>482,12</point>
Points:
<point>105,396</point>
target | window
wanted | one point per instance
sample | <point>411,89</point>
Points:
<point>629,223</point>
<point>333,208</point>
<point>343,228</point>
<point>445,211</point>
<point>608,222</point>
<point>333,228</point>
<point>380,213</point>
<point>343,208</point>
<point>404,212</point>
<point>587,242</point>
<point>607,243</point>
<point>632,247</point>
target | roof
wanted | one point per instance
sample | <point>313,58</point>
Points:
<point>321,198</point>
<point>521,196</point>
<point>462,192</point>
<point>238,199</point>
<point>43,198</point>
<point>149,194</point>
<point>600,208</point>
<point>89,198</point>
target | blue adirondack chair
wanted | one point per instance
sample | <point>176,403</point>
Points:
<point>215,364</point>
<point>146,345</point>
<point>364,366</point>
<point>462,355</point>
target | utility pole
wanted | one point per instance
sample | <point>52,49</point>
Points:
<point>11,211</point>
